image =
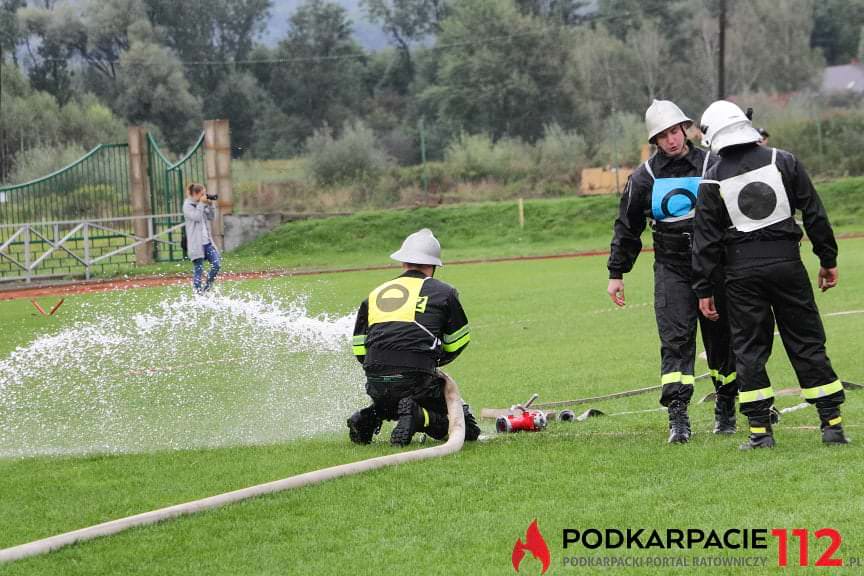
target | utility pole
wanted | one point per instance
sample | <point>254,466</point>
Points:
<point>721,57</point>
<point>421,126</point>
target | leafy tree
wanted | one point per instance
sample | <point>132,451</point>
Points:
<point>622,17</point>
<point>49,62</point>
<point>569,12</point>
<point>861,46</point>
<point>500,72</point>
<point>406,22</point>
<point>606,76</point>
<point>768,46</point>
<point>152,88</point>
<point>207,35</point>
<point>837,29</point>
<point>96,31</point>
<point>10,32</point>
<point>32,119</point>
<point>320,79</point>
<point>240,99</point>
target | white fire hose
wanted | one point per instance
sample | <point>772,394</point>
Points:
<point>453,444</point>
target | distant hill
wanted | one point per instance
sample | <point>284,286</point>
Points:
<point>368,34</point>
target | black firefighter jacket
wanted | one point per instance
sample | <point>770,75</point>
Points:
<point>637,207</point>
<point>713,231</point>
<point>411,322</point>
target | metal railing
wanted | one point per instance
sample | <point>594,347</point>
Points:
<point>64,248</point>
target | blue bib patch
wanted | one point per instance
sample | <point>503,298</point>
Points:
<point>674,198</point>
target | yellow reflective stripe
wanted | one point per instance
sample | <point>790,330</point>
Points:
<point>717,375</point>
<point>822,391</point>
<point>359,339</point>
<point>425,418</point>
<point>835,421</point>
<point>453,346</point>
<point>758,430</point>
<point>755,395</point>
<point>359,350</point>
<point>455,335</point>
<point>673,377</point>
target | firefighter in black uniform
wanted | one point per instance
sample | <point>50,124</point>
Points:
<point>663,190</point>
<point>745,218</point>
<point>405,330</point>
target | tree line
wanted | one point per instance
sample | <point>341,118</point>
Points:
<point>76,73</point>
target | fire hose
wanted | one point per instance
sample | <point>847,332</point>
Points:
<point>454,444</point>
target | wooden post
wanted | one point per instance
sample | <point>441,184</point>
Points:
<point>521,213</point>
<point>217,163</point>
<point>139,191</point>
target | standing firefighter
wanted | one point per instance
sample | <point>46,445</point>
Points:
<point>745,217</point>
<point>405,330</point>
<point>663,190</point>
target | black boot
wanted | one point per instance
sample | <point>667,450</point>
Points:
<point>724,415</point>
<point>472,429</point>
<point>761,436</point>
<point>832,429</point>
<point>834,435</point>
<point>410,419</point>
<point>679,423</point>
<point>363,425</point>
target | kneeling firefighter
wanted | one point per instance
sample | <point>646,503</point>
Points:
<point>405,330</point>
<point>663,191</point>
<point>746,219</point>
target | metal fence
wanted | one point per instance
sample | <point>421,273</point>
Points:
<point>79,218</point>
<point>96,186</point>
<point>63,248</point>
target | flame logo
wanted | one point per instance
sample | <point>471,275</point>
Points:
<point>535,544</point>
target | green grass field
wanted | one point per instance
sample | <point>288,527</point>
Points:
<point>537,326</point>
<point>470,230</point>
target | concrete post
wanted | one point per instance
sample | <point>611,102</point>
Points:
<point>217,162</point>
<point>139,191</point>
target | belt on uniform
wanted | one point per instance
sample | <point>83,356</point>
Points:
<point>674,246</point>
<point>754,250</point>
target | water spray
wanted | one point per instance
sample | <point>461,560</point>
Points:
<point>456,438</point>
<point>122,375</point>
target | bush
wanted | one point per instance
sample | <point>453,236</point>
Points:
<point>562,154</point>
<point>827,146</point>
<point>356,155</point>
<point>43,160</point>
<point>93,201</point>
<point>621,141</point>
<point>475,157</point>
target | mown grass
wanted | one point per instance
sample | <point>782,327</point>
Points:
<point>539,326</point>
<point>480,230</point>
<point>467,231</point>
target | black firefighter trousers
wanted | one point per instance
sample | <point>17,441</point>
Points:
<point>387,386</point>
<point>676,308</point>
<point>758,292</point>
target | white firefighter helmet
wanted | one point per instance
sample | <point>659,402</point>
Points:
<point>725,124</point>
<point>663,114</point>
<point>421,247</point>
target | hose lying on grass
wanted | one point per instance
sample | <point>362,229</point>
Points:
<point>454,444</point>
